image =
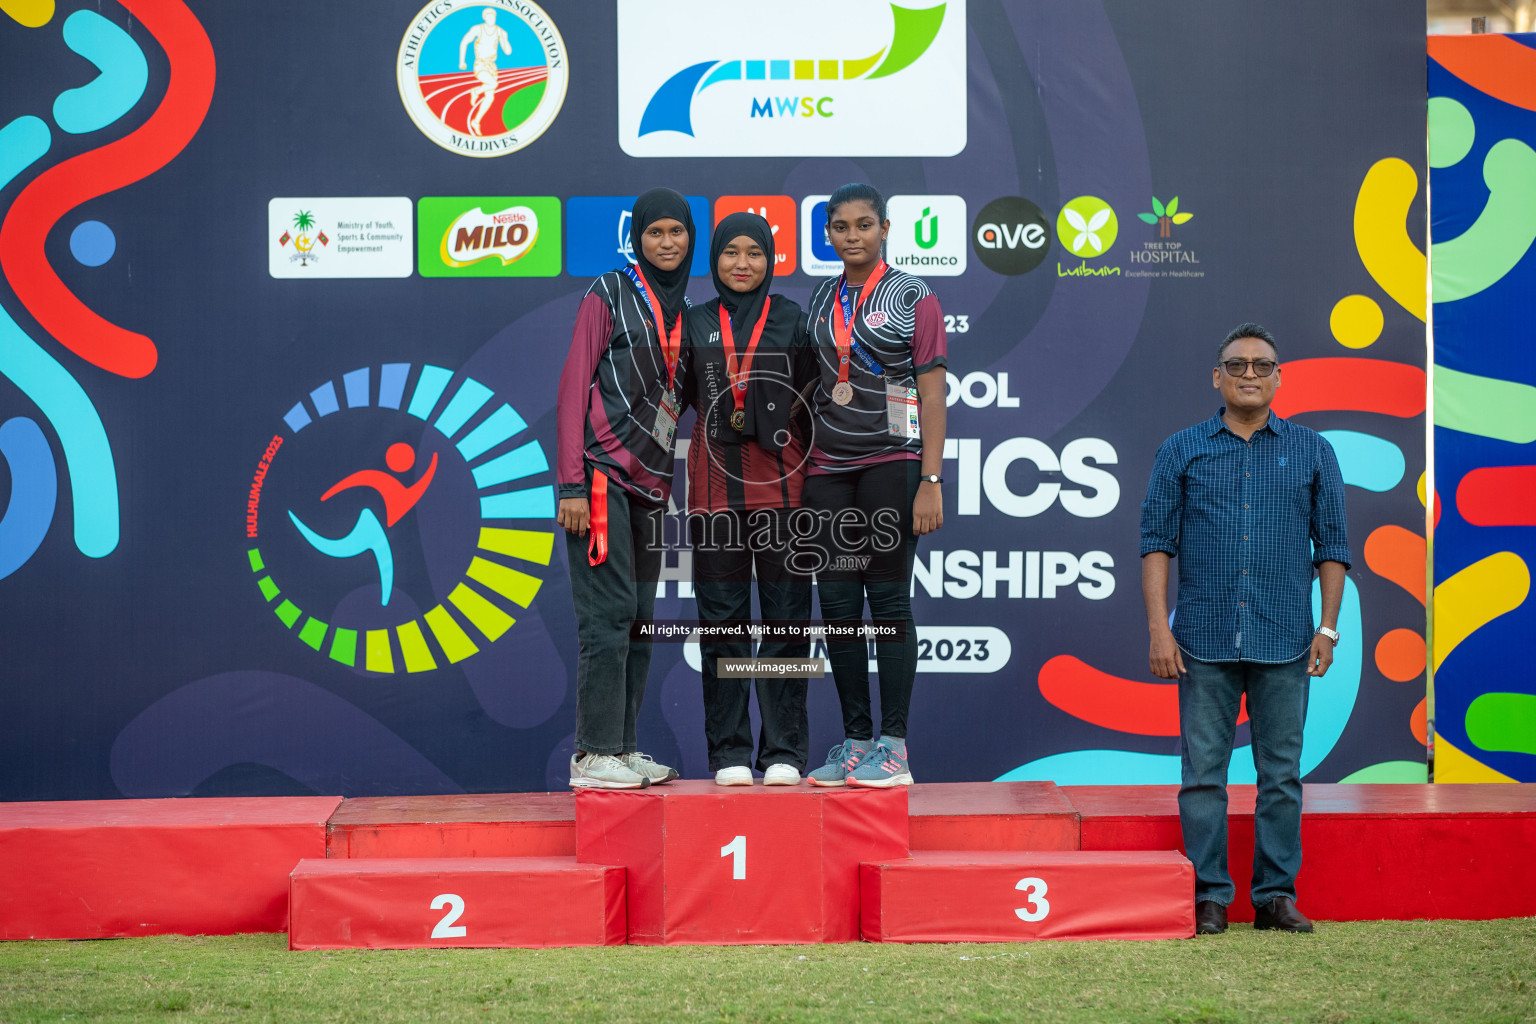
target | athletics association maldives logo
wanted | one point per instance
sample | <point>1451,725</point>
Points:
<point>907,97</point>
<point>405,488</point>
<point>482,77</point>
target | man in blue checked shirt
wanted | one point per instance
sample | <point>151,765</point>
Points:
<point>1249,503</point>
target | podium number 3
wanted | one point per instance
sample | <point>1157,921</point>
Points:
<point>736,849</point>
<point>446,929</point>
<point>1039,906</point>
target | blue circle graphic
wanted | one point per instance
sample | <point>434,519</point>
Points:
<point>92,243</point>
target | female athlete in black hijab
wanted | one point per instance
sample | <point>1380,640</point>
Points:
<point>616,421</point>
<point>745,465</point>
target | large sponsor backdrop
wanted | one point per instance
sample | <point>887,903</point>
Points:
<point>1482,120</point>
<point>288,288</point>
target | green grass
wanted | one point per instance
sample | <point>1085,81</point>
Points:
<point>1377,971</point>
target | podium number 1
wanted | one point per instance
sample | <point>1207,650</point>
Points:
<point>736,849</point>
<point>446,929</point>
<point>1039,906</point>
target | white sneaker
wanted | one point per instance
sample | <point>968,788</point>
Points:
<point>781,775</point>
<point>643,764</point>
<point>604,771</point>
<point>736,775</point>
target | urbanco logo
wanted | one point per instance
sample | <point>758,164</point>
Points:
<point>1087,226</point>
<point>488,236</point>
<point>927,235</point>
<point>789,91</point>
<point>482,77</point>
<point>1011,235</point>
<point>406,487</point>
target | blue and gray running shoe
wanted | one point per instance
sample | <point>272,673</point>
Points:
<point>841,760</point>
<point>882,769</point>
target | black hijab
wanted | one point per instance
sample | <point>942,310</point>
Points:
<point>744,307</point>
<point>659,204</point>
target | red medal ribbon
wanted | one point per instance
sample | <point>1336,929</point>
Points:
<point>597,536</point>
<point>844,337</point>
<point>739,377</point>
<point>671,343</point>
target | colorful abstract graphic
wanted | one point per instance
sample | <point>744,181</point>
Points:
<point>62,402</point>
<point>402,645</point>
<point>1482,130</point>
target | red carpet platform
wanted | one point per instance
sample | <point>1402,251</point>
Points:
<point>95,869</point>
<point>1369,852</point>
<point>133,867</point>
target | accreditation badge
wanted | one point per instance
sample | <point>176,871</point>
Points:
<point>668,412</point>
<point>901,408</point>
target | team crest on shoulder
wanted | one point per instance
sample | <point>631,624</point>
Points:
<point>876,318</point>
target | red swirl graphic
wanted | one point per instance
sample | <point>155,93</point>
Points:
<point>132,158</point>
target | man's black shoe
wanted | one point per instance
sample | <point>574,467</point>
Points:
<point>1280,914</point>
<point>1210,918</point>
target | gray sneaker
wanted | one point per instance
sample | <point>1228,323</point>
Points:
<point>604,771</point>
<point>841,760</point>
<point>644,764</point>
<point>882,769</point>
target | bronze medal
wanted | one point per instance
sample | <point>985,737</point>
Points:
<point>842,394</point>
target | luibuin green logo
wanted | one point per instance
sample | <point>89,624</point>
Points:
<point>1087,226</point>
<point>1163,216</point>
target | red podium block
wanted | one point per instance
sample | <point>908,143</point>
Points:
<point>992,816</point>
<point>726,865</point>
<point>461,825</point>
<point>410,903</point>
<point>954,896</point>
<point>93,869</point>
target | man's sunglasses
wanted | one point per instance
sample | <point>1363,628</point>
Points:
<point>1239,367</point>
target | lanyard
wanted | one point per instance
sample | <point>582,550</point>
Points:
<point>842,330</point>
<point>671,342</point>
<point>728,340</point>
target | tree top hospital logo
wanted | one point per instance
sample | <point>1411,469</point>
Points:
<point>406,488</point>
<point>897,73</point>
<point>482,77</point>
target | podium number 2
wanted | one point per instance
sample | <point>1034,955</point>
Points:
<point>1039,906</point>
<point>736,849</point>
<point>446,929</point>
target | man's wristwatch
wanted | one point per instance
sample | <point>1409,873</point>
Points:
<point>1330,634</point>
<point>931,478</point>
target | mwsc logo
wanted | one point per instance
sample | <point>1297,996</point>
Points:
<point>908,97</point>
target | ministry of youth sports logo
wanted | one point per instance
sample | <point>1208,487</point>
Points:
<point>399,521</point>
<point>482,77</point>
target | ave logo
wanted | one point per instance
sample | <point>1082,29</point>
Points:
<point>1011,235</point>
<point>927,235</point>
<point>779,212</point>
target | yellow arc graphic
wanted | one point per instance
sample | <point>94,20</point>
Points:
<point>31,13</point>
<point>1475,596</point>
<point>1381,233</point>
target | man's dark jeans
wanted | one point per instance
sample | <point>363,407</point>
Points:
<point>611,668</point>
<point>1209,697</point>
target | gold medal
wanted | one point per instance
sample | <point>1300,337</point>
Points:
<point>738,420</point>
<point>842,394</point>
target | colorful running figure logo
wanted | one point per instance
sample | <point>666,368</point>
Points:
<point>482,108</point>
<point>367,535</point>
